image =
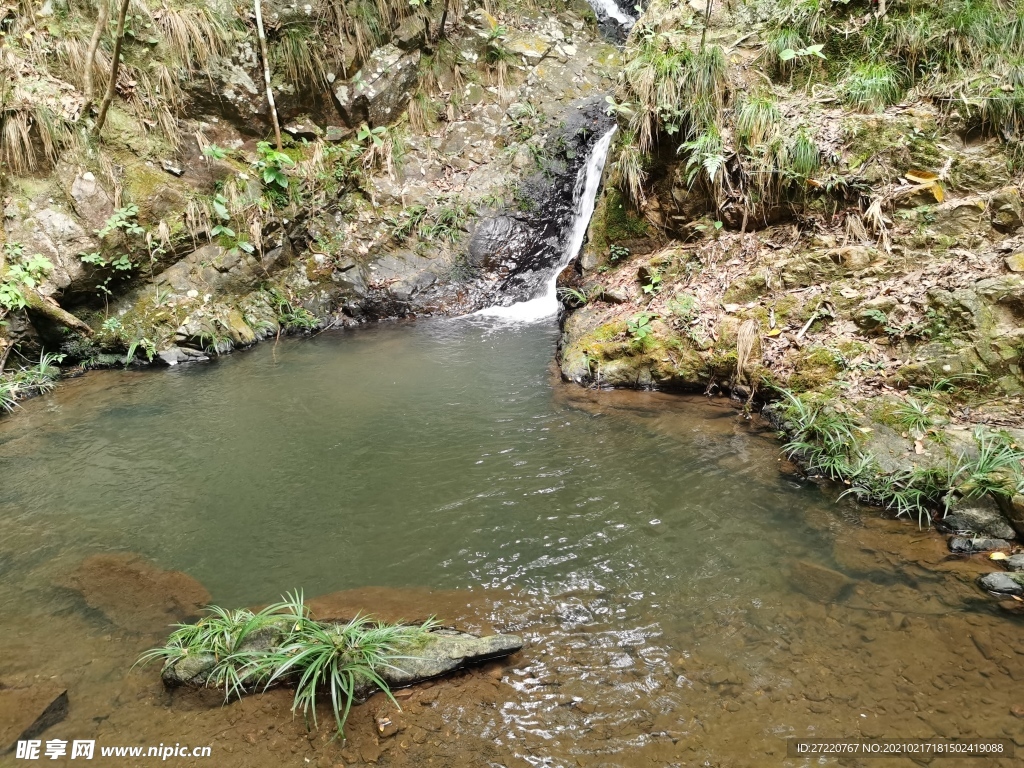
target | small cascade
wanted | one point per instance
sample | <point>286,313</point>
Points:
<point>611,10</point>
<point>588,184</point>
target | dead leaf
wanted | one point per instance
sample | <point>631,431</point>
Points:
<point>918,447</point>
<point>922,177</point>
<point>997,556</point>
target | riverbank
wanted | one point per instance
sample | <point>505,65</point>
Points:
<point>856,262</point>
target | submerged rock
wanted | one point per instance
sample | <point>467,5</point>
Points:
<point>818,582</point>
<point>1002,583</point>
<point>25,713</point>
<point>135,594</point>
<point>444,652</point>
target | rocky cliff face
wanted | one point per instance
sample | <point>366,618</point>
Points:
<point>409,153</point>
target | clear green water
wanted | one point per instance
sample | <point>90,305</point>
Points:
<point>442,454</point>
<point>642,543</point>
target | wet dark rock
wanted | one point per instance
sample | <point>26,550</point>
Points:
<point>962,545</point>
<point>500,241</point>
<point>977,519</point>
<point>1002,583</point>
<point>25,713</point>
<point>818,582</point>
<point>1014,563</point>
<point>444,652</point>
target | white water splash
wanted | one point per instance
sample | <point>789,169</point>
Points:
<point>588,183</point>
<point>610,9</point>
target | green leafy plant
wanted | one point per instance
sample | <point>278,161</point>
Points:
<point>683,306</point>
<point>271,165</point>
<point>996,470</point>
<point>652,285</point>
<point>872,86</point>
<point>617,253</point>
<point>214,152</point>
<point>788,54</point>
<point>147,345</point>
<point>20,275</point>
<point>917,417</point>
<point>639,326</point>
<point>407,222</point>
<point>122,220</point>
<point>372,136</point>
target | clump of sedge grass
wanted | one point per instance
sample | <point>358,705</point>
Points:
<point>341,658</point>
<point>871,87</point>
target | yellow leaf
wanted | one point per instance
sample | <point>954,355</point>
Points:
<point>997,556</point>
<point>938,191</point>
<point>774,332</point>
<point>921,177</point>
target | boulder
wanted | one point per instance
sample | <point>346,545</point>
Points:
<point>60,238</point>
<point>1002,583</point>
<point>380,90</point>
<point>818,582</point>
<point>980,518</point>
<point>963,545</point>
<point>1015,262</point>
<point>1006,210</point>
<point>531,47</point>
<point>90,200</point>
<point>1015,514</point>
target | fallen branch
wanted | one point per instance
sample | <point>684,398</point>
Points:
<point>49,308</point>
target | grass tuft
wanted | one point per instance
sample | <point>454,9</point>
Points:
<point>340,658</point>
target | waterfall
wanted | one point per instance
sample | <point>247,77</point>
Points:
<point>611,9</point>
<point>587,185</point>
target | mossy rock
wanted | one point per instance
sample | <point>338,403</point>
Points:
<point>746,289</point>
<point>816,367</point>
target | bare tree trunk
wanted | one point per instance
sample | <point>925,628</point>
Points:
<point>444,20</point>
<point>258,5</point>
<point>90,58</point>
<point>115,64</point>
<point>708,7</point>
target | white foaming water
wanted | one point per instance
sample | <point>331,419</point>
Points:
<point>588,183</point>
<point>612,11</point>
